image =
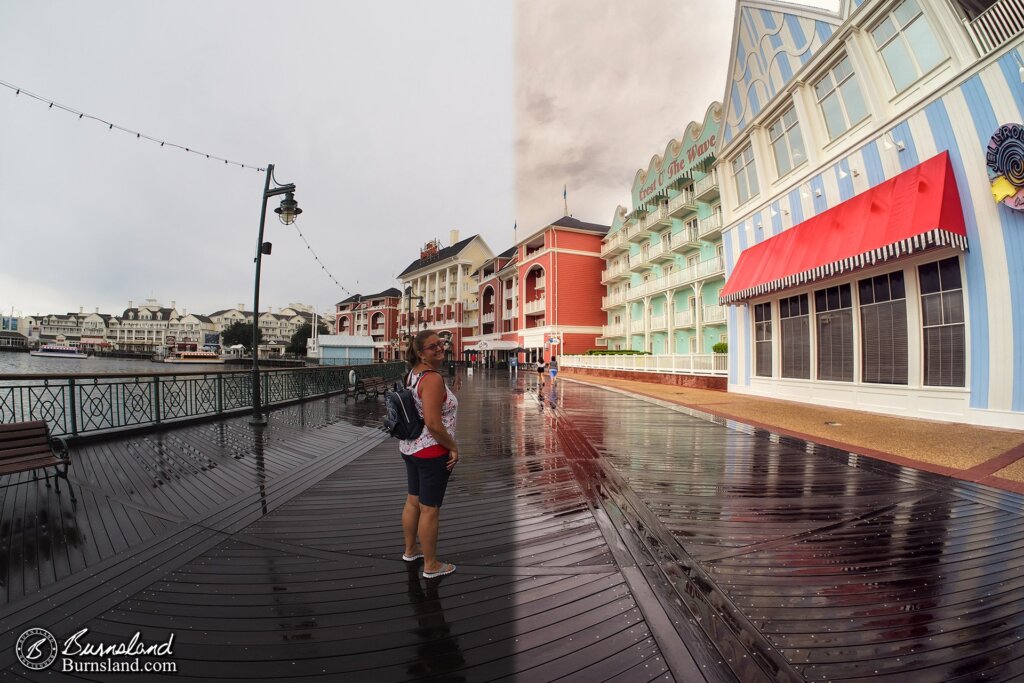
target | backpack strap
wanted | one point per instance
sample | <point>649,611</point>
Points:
<point>414,386</point>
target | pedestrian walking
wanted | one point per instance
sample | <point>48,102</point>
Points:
<point>553,368</point>
<point>540,375</point>
<point>429,458</point>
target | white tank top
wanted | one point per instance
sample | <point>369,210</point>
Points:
<point>449,412</point>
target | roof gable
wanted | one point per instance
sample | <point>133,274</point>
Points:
<point>771,41</point>
<point>447,252</point>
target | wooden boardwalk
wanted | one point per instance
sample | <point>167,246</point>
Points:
<point>278,558</point>
<point>599,537</point>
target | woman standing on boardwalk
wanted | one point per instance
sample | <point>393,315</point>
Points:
<point>429,458</point>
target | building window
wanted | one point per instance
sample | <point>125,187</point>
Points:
<point>942,316</point>
<point>907,44</point>
<point>883,329</point>
<point>745,173</point>
<point>840,99</point>
<point>794,318</point>
<point>833,309</point>
<point>787,143</point>
<point>763,339</point>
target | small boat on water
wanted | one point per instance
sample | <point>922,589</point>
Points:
<point>194,357</point>
<point>58,351</point>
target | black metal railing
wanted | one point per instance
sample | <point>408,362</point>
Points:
<point>80,404</point>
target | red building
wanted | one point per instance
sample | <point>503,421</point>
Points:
<point>560,289</point>
<point>373,315</point>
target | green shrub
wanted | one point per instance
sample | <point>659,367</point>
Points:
<point>720,347</point>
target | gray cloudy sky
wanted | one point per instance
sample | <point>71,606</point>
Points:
<point>397,121</point>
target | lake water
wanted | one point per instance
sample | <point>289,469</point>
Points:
<point>23,363</point>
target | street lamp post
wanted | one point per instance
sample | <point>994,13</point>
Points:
<point>408,311</point>
<point>420,306</point>
<point>287,212</point>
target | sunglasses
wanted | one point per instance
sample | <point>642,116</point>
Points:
<point>435,346</point>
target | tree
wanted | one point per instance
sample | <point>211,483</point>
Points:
<point>240,333</point>
<point>297,345</point>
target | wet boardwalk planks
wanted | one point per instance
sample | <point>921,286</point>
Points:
<point>278,557</point>
<point>831,566</point>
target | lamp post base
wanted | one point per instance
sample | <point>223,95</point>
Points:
<point>258,420</point>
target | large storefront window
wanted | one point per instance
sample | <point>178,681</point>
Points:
<point>883,323</point>
<point>763,339</point>
<point>942,317</point>
<point>794,317</point>
<point>833,309</point>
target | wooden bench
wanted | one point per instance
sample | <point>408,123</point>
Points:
<point>376,385</point>
<point>26,446</point>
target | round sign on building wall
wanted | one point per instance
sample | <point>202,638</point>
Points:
<point>1005,160</point>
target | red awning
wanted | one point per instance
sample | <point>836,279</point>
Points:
<point>915,210</point>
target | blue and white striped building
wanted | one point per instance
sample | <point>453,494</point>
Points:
<point>821,107</point>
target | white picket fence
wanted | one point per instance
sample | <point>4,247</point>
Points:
<point>679,364</point>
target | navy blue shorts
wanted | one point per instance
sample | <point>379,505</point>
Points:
<point>428,478</point>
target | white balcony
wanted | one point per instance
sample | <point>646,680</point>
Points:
<point>654,219</point>
<point>658,323</point>
<point>713,315</point>
<point>618,330</point>
<point>486,318</point>
<point>638,262</point>
<point>634,233</point>
<point>703,270</point>
<point>615,271</point>
<point>614,244</point>
<point>510,313</point>
<point>706,188</point>
<point>535,307</point>
<point>997,25</point>
<point>471,306</point>
<point>377,330</point>
<point>613,300</point>
<point>636,327</point>
<point>687,238</point>
<point>683,319</point>
<point>539,283</point>
<point>711,227</point>
<point>659,252</point>
<point>682,204</point>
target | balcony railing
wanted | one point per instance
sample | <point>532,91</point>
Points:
<point>615,271</point>
<point>471,306</point>
<point>707,186</point>
<point>713,315</point>
<point>613,243</point>
<point>678,364</point>
<point>656,217</point>
<point>687,238</point>
<point>658,322</point>
<point>711,226</point>
<point>613,330</point>
<point>699,271</point>
<point>636,326</point>
<point>486,318</point>
<point>539,283</point>
<point>659,251</point>
<point>510,313</point>
<point>682,203</point>
<point>684,318</point>
<point>534,307</point>
<point>611,300</point>
<point>997,25</point>
<point>636,261</point>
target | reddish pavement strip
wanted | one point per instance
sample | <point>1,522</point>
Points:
<point>981,474</point>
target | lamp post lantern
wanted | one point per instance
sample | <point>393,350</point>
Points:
<point>420,306</point>
<point>287,212</point>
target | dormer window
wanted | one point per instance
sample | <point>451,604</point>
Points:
<point>907,44</point>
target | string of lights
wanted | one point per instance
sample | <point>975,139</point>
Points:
<point>321,263</point>
<point>18,91</point>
